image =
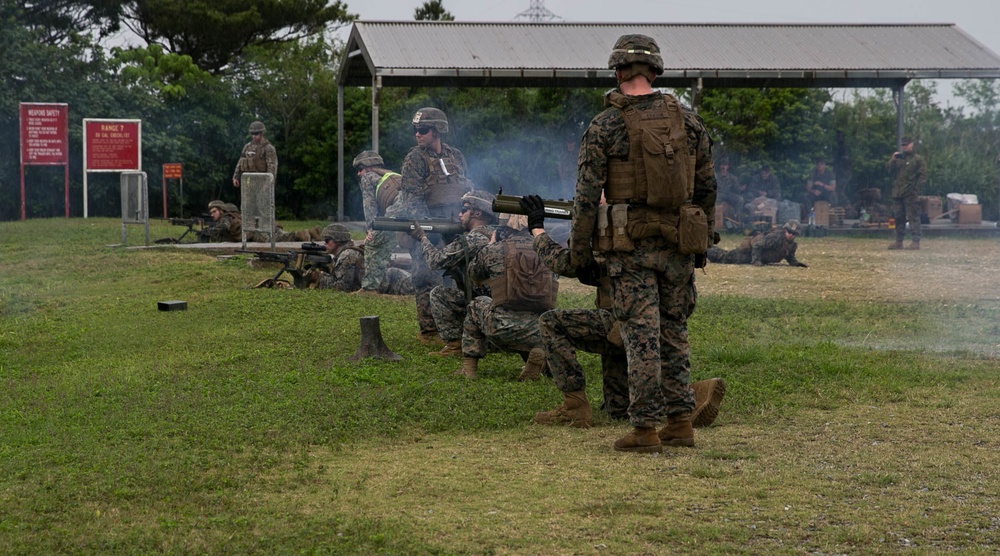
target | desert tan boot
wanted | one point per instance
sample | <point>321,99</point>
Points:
<point>574,412</point>
<point>677,431</point>
<point>451,349</point>
<point>533,367</point>
<point>708,396</point>
<point>642,440</point>
<point>470,366</point>
<point>896,245</point>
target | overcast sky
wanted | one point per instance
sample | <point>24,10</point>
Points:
<point>978,18</point>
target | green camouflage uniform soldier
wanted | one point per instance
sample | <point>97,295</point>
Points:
<point>491,326</point>
<point>257,156</point>
<point>773,247</point>
<point>433,180</point>
<point>379,190</point>
<point>652,159</point>
<point>449,304</point>
<point>565,331</point>
<point>909,174</point>
<point>227,226</point>
<point>348,268</point>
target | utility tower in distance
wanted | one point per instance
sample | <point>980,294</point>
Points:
<point>536,13</point>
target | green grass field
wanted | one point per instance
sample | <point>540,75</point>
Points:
<point>861,417</point>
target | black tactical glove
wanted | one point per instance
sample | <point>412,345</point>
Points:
<point>417,232</point>
<point>534,208</point>
<point>590,274</point>
<point>700,260</point>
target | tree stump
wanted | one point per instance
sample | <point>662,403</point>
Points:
<point>371,342</point>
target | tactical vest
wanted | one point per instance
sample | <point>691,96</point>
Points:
<point>649,195</point>
<point>386,191</point>
<point>526,283</point>
<point>253,159</point>
<point>445,182</point>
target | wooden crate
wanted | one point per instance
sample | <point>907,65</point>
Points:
<point>970,214</point>
<point>822,209</point>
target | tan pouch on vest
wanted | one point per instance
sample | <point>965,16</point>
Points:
<point>692,231</point>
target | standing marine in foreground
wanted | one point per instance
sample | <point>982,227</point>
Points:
<point>652,160</point>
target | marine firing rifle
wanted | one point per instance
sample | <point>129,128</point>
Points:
<point>190,223</point>
<point>298,264</point>
<point>554,208</point>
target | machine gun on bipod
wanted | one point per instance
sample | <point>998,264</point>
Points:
<point>202,222</point>
<point>299,264</point>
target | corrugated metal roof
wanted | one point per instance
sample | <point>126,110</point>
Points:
<point>421,53</point>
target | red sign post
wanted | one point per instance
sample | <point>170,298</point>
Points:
<point>44,141</point>
<point>110,146</point>
<point>173,171</point>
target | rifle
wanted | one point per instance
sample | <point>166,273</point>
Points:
<point>429,225</point>
<point>190,223</point>
<point>554,208</point>
<point>296,263</point>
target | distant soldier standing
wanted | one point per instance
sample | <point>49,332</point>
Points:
<point>379,190</point>
<point>652,160</point>
<point>258,155</point>
<point>909,174</point>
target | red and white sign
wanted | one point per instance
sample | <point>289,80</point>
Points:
<point>44,133</point>
<point>112,145</point>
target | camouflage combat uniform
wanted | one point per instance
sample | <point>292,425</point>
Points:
<point>378,249</point>
<point>348,268</point>
<point>257,157</point>
<point>772,247</point>
<point>909,174</point>
<point>729,191</point>
<point>564,331</point>
<point>448,304</point>
<point>652,286</point>
<point>228,228</point>
<point>770,185</point>
<point>499,327</point>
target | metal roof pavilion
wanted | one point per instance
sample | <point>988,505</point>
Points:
<point>461,54</point>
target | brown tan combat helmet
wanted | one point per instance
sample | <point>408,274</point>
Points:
<point>793,227</point>
<point>336,232</point>
<point>367,159</point>
<point>217,204</point>
<point>257,127</point>
<point>636,49</point>
<point>480,200</point>
<point>432,118</point>
<point>231,207</point>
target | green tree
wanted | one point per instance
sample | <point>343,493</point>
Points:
<point>216,32</point>
<point>432,10</point>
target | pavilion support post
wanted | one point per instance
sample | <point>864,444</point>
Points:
<point>340,153</point>
<point>376,100</point>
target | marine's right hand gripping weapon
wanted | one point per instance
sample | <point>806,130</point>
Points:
<point>299,264</point>
<point>511,204</point>
<point>429,225</point>
<point>200,221</point>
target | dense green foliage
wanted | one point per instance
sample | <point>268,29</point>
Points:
<point>208,70</point>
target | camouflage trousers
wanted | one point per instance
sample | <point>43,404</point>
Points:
<point>734,256</point>
<point>498,327</point>
<point>378,252</point>
<point>395,281</point>
<point>424,279</point>
<point>449,308</point>
<point>564,331</point>
<point>907,209</point>
<point>653,294</point>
